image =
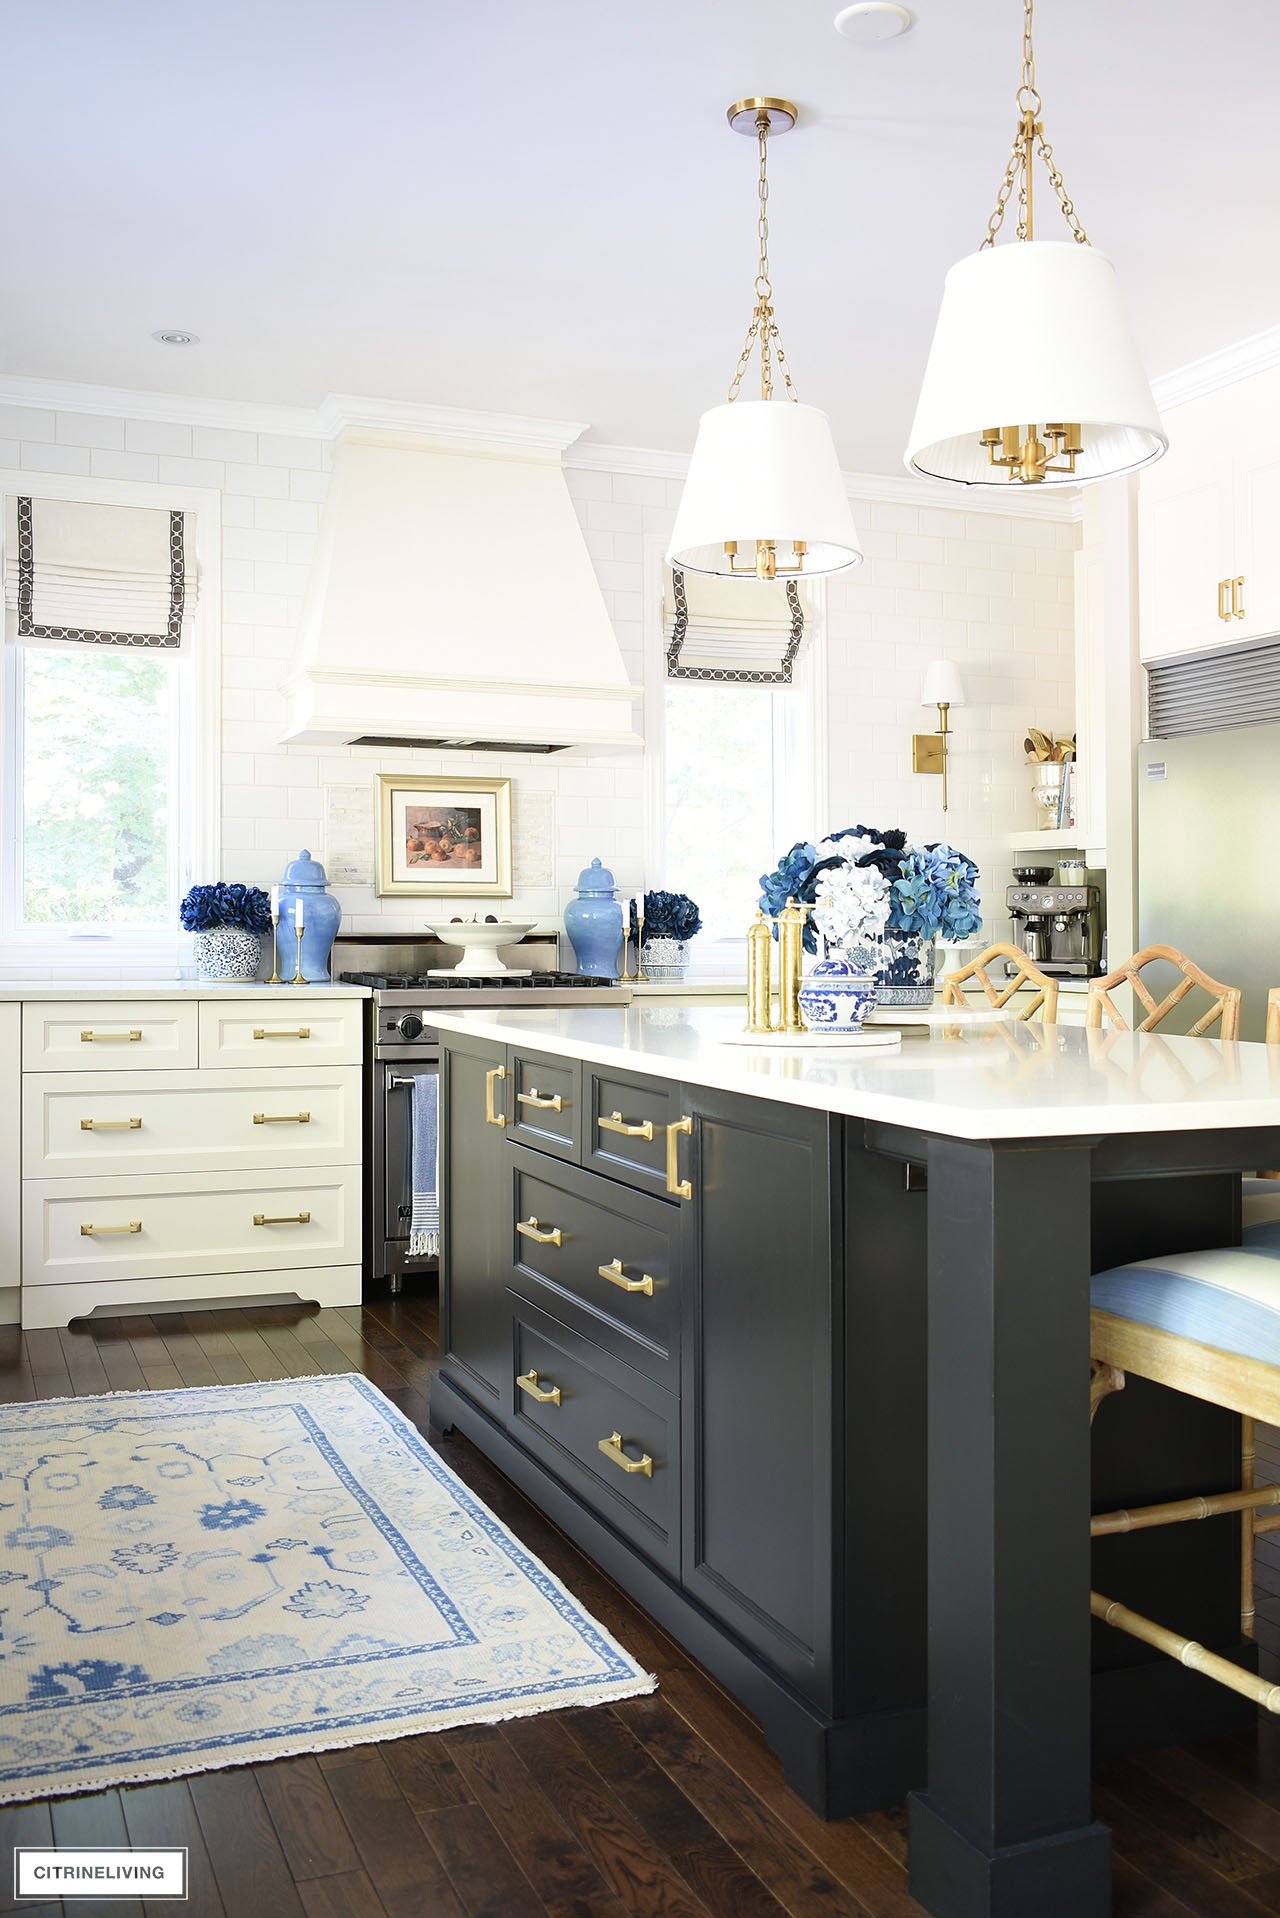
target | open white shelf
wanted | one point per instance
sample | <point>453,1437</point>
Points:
<point>1068,840</point>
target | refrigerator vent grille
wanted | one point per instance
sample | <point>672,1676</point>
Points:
<point>1239,686</point>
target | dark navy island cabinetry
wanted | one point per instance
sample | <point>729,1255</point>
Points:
<point>651,1321</point>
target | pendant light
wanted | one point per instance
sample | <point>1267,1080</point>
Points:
<point>764,497</point>
<point>1033,377</point>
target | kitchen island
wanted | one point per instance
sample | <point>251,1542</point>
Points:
<point>703,1302</point>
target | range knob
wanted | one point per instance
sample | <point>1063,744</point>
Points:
<point>410,1026</point>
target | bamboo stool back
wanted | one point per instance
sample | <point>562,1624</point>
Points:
<point>1000,991</point>
<point>1226,999</point>
<point>1273,1016</point>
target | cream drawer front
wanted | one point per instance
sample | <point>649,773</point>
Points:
<point>172,1225</point>
<point>98,1122</point>
<point>108,1035</point>
<point>279,1029</point>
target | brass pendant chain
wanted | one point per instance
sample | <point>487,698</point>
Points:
<point>763,330</point>
<point>1027,141</point>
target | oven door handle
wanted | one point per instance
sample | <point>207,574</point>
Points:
<point>393,1083</point>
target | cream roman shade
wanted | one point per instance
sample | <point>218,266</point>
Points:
<point>78,571</point>
<point>742,632</point>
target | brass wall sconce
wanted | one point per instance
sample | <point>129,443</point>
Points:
<point>944,689</point>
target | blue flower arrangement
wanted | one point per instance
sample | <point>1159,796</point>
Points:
<point>668,915</point>
<point>863,882</point>
<point>207,907</point>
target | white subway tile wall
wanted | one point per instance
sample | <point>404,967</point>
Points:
<point>992,593</point>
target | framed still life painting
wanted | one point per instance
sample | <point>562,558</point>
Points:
<point>438,835</point>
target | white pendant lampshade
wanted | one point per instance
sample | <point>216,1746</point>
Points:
<point>943,685</point>
<point>763,471</point>
<point>1030,333</point>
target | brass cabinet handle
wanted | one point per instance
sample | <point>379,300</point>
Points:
<point>101,1231</point>
<point>616,1123</point>
<point>612,1449</point>
<point>292,1032</point>
<point>282,1118</point>
<point>91,1038</point>
<point>613,1272</point>
<point>1224,611</point>
<point>491,1114</point>
<point>1237,596</point>
<point>288,1218</point>
<point>678,1188</point>
<point>110,1125</point>
<point>545,1394</point>
<point>545,1102</point>
<point>530,1229</point>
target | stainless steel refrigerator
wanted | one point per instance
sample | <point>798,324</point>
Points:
<point>1209,858</point>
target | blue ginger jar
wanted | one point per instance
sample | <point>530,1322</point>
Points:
<point>835,996</point>
<point>305,878</point>
<point>593,922</point>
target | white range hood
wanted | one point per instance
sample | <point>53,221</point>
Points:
<point>453,602</point>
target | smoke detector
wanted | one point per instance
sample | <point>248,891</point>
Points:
<point>871,21</point>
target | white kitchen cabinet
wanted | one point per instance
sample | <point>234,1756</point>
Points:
<point>10,1159</point>
<point>187,1148</point>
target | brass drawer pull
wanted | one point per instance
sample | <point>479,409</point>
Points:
<point>101,1231</point>
<point>545,1394</point>
<point>1224,611</point>
<point>289,1218</point>
<point>616,1123</point>
<point>282,1118</point>
<point>530,1229</point>
<point>91,1038</point>
<point>291,1032</point>
<point>491,1114</point>
<point>545,1102</point>
<point>110,1125</point>
<point>612,1449</point>
<point>613,1272</point>
<point>678,1188</point>
<point>1237,597</point>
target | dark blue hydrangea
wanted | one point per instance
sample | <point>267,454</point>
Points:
<point>668,915</point>
<point>206,907</point>
<point>795,877</point>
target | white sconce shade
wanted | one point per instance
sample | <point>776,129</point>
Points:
<point>1027,334</point>
<point>943,685</point>
<point>764,470</point>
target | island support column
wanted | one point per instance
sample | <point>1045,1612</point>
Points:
<point>1005,1828</point>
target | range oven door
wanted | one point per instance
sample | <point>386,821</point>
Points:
<point>393,1163</point>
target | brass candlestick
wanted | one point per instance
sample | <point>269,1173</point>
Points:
<point>297,979</point>
<point>626,946</point>
<point>640,978</point>
<point>275,980</point>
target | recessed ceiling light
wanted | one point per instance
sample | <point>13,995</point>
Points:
<point>871,21</point>
<point>176,336</point>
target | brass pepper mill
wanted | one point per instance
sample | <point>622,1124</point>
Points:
<point>790,960</point>
<point>760,976</point>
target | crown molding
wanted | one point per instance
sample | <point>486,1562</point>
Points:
<point>1223,368</point>
<point>176,409</point>
<point>452,425</point>
<point>644,462</point>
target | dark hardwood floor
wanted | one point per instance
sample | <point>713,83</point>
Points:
<point>669,1804</point>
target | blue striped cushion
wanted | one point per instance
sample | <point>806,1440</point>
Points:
<point>1228,1297</point>
<point>1261,1200</point>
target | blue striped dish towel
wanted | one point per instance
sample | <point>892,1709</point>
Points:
<point>424,1222</point>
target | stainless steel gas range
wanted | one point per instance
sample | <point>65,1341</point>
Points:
<point>401,1045</point>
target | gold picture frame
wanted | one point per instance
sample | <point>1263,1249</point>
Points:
<point>439,836</point>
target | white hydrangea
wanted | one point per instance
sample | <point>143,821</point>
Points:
<point>852,906</point>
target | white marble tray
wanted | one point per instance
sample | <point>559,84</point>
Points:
<point>812,1041</point>
<point>937,1015</point>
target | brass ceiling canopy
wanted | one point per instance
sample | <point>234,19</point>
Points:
<point>779,115</point>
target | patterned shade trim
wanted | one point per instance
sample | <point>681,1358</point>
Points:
<point>731,675</point>
<point>169,639</point>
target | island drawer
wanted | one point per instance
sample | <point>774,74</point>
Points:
<point>604,1258</point>
<point>281,1029</point>
<point>609,1433</point>
<point>626,1119</point>
<point>99,1122</point>
<point>545,1102</point>
<point>108,1035</point>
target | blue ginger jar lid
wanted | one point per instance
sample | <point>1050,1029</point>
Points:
<point>305,871</point>
<point>596,879</point>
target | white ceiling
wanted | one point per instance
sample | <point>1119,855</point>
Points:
<point>536,206</point>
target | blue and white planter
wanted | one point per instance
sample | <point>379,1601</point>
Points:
<point>835,996</point>
<point>228,952</point>
<point>901,965</point>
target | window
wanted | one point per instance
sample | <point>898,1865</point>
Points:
<point>108,751</point>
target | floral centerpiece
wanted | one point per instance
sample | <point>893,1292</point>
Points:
<point>228,922</point>
<point>879,903</point>
<point>670,920</point>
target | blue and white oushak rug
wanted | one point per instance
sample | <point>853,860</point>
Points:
<point>232,1573</point>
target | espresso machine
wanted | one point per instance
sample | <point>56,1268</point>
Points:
<point>1058,927</point>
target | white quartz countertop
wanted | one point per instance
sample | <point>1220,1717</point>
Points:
<point>1002,1081</point>
<point>97,989</point>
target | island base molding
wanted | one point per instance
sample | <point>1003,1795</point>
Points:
<point>1058,1876</point>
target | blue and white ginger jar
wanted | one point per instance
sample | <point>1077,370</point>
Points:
<point>835,996</point>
